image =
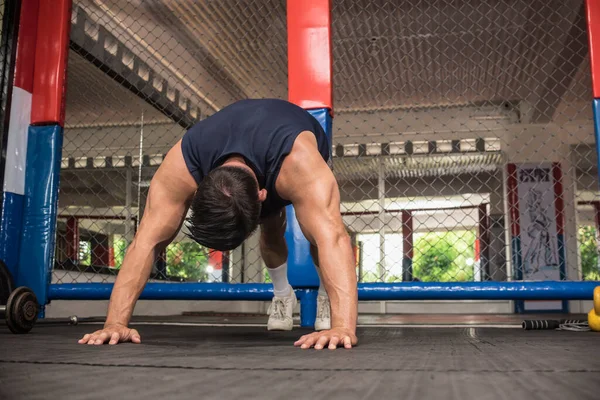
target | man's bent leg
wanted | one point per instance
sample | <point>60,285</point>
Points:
<point>323,321</point>
<point>274,252</point>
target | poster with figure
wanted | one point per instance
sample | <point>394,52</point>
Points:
<point>540,239</point>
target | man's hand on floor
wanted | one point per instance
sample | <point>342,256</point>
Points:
<point>331,339</point>
<point>112,334</point>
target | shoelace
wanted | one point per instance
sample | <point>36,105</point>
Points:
<point>323,311</point>
<point>277,310</point>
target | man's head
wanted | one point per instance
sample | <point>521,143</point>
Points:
<point>226,207</point>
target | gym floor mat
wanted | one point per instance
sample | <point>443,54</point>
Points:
<point>235,362</point>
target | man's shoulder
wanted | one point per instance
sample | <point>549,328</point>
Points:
<point>303,166</point>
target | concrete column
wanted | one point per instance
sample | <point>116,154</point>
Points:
<point>236,264</point>
<point>498,267</point>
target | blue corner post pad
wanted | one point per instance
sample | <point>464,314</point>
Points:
<point>39,212</point>
<point>323,115</point>
<point>596,107</point>
<point>10,231</point>
<point>301,271</point>
<point>308,307</point>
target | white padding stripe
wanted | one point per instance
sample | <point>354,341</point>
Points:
<point>16,148</point>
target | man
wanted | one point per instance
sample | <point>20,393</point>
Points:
<point>236,170</point>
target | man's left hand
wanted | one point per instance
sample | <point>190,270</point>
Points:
<point>332,339</point>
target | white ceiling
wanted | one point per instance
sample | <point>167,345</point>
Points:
<point>387,54</point>
<point>403,70</point>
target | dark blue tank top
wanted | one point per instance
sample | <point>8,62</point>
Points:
<point>262,131</point>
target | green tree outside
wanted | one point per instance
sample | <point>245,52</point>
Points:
<point>85,253</point>
<point>119,248</point>
<point>444,256</point>
<point>589,253</point>
<point>187,260</point>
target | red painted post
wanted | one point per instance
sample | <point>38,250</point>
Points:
<point>51,53</point>
<point>309,53</point>
<point>25,61</point>
<point>593,28</point>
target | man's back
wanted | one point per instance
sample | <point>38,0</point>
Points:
<point>262,131</point>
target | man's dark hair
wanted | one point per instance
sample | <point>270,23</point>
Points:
<point>225,209</point>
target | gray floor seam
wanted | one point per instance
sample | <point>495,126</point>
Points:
<point>510,371</point>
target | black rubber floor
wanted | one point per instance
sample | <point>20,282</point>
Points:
<point>176,362</point>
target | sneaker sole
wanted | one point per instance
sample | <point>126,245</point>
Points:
<point>279,328</point>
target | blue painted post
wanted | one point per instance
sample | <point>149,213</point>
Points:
<point>596,108</point>
<point>301,269</point>
<point>308,307</point>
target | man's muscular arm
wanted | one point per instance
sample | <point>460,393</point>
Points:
<point>168,198</point>
<point>306,180</point>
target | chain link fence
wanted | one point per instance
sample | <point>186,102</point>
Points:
<point>140,74</point>
<point>436,102</point>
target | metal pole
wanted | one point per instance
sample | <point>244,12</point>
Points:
<point>140,161</point>
<point>128,199</point>
<point>381,216</point>
<point>407,246</point>
<point>537,290</point>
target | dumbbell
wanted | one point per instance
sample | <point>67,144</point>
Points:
<point>594,314</point>
<point>21,310</point>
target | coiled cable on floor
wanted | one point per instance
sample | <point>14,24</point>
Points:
<point>577,326</point>
<point>560,324</point>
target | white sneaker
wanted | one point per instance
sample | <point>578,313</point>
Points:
<point>323,321</point>
<point>281,312</point>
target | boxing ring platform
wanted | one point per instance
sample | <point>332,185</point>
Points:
<point>202,357</point>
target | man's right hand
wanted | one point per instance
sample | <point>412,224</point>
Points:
<point>113,334</point>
